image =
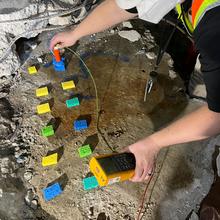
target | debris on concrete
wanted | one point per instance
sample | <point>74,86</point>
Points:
<point>127,24</point>
<point>194,216</point>
<point>130,35</point>
<point>172,74</point>
<point>151,55</point>
<point>28,175</point>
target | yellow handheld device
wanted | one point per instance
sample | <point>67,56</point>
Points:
<point>109,169</point>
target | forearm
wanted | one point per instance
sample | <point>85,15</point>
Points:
<point>104,16</point>
<point>198,125</point>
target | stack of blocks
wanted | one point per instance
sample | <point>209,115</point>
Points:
<point>59,66</point>
<point>58,61</point>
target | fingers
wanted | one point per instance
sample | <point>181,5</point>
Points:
<point>138,173</point>
<point>149,174</point>
<point>56,40</point>
<point>142,173</point>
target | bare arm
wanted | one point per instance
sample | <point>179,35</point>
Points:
<point>104,16</point>
<point>198,125</point>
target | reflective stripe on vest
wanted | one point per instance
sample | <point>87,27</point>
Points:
<point>185,19</point>
<point>200,7</point>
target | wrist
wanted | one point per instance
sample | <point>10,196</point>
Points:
<point>151,142</point>
<point>76,34</point>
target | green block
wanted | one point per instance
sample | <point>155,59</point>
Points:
<point>72,102</point>
<point>47,131</point>
<point>85,151</point>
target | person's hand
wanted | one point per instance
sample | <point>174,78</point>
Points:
<point>64,39</point>
<point>145,152</point>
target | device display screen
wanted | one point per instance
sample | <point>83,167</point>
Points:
<point>117,163</point>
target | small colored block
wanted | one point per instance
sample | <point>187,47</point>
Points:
<point>43,108</point>
<point>50,160</point>
<point>72,102</point>
<point>42,91</point>
<point>32,70</point>
<point>52,191</point>
<point>90,183</point>
<point>85,151</point>
<point>47,131</point>
<point>59,66</point>
<point>68,85</point>
<point>80,125</point>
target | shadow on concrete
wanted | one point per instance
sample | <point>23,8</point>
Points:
<point>88,118</point>
<point>62,180</point>
<point>72,77</point>
<point>48,85</point>
<point>59,151</point>
<point>92,140</point>
<point>210,205</point>
<point>50,101</point>
<point>55,122</point>
<point>170,107</point>
<point>182,178</point>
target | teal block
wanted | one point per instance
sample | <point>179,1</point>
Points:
<point>90,183</point>
<point>72,102</point>
<point>85,151</point>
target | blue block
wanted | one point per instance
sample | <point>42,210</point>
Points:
<point>80,125</point>
<point>59,66</point>
<point>52,191</point>
<point>90,183</point>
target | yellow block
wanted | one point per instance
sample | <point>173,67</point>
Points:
<point>49,160</point>
<point>68,85</point>
<point>43,108</point>
<point>32,70</point>
<point>42,91</point>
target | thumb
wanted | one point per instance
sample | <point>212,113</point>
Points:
<point>55,40</point>
<point>138,173</point>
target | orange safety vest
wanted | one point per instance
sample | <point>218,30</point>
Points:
<point>200,7</point>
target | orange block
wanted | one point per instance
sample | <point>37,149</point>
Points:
<point>56,53</point>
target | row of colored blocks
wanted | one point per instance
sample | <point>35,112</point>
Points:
<point>54,190</point>
<point>45,108</point>
<point>65,85</point>
<point>78,126</point>
<point>52,159</point>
